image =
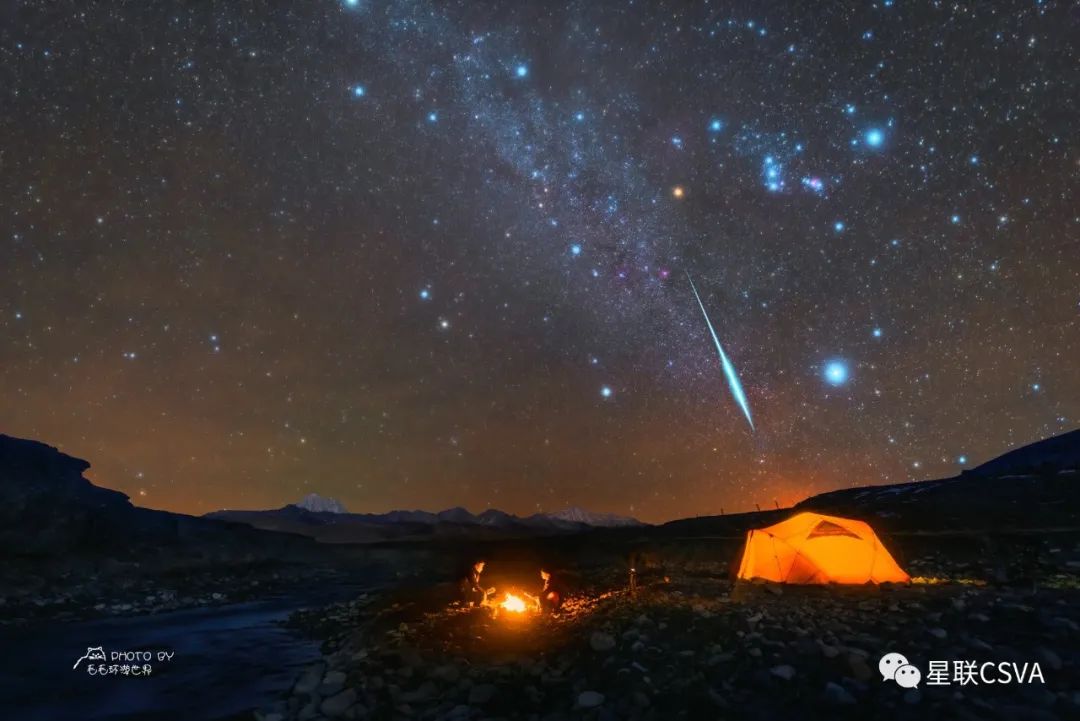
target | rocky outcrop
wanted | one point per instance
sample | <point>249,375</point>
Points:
<point>46,505</point>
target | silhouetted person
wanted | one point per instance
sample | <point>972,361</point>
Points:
<point>552,594</point>
<point>473,592</point>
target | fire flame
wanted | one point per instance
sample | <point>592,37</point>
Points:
<point>513,603</point>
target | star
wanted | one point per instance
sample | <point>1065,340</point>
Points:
<point>359,91</point>
<point>606,392</point>
<point>678,192</point>
<point>836,372</point>
<point>875,137</point>
<point>521,71</point>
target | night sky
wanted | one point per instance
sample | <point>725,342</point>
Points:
<point>417,255</point>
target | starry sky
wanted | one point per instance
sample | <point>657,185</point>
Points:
<point>416,255</point>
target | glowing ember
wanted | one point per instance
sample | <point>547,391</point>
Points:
<point>513,603</point>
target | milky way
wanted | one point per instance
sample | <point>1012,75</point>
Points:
<point>415,254</point>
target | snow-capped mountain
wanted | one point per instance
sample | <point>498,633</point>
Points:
<point>575,514</point>
<point>320,504</point>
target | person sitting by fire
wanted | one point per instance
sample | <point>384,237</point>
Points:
<point>473,593</point>
<point>551,596</point>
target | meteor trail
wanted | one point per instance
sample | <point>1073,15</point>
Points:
<point>729,369</point>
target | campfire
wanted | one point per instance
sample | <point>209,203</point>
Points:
<point>513,603</point>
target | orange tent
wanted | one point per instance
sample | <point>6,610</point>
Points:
<point>812,548</point>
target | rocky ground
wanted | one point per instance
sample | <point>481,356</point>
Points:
<point>697,646</point>
<point>113,588</point>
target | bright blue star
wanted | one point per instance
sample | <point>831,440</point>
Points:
<point>962,460</point>
<point>716,125</point>
<point>606,392</point>
<point>579,116</point>
<point>676,141</point>
<point>955,219</point>
<point>877,332</point>
<point>874,138</point>
<point>1035,387</point>
<point>839,226</point>
<point>425,294</point>
<point>352,3</point>
<point>432,117</point>
<point>575,249</point>
<point>521,71</point>
<point>836,373</point>
<point>974,160</point>
<point>359,91</point>
<point>849,109</point>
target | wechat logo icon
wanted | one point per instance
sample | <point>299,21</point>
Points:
<point>895,667</point>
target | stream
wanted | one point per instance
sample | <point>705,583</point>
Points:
<point>227,660</point>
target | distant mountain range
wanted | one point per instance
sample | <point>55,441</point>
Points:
<point>326,519</point>
<point>48,508</point>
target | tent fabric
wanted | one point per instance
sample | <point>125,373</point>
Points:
<point>811,548</point>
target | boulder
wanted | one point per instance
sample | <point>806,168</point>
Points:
<point>590,699</point>
<point>336,706</point>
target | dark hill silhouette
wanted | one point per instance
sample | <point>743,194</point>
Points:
<point>1033,487</point>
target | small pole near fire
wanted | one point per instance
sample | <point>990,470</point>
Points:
<point>757,507</point>
<point>776,503</point>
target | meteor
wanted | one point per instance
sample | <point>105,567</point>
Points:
<point>729,369</point>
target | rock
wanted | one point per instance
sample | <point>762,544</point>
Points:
<point>422,694</point>
<point>837,695</point>
<point>783,671</point>
<point>332,683</point>
<point>590,699</point>
<point>602,642</point>
<point>336,706</point>
<point>448,673</point>
<point>1048,658</point>
<point>829,651</point>
<point>860,670</point>
<point>481,694</point>
<point>308,712</point>
<point>309,680</point>
<point>775,589</point>
<point>938,633</point>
